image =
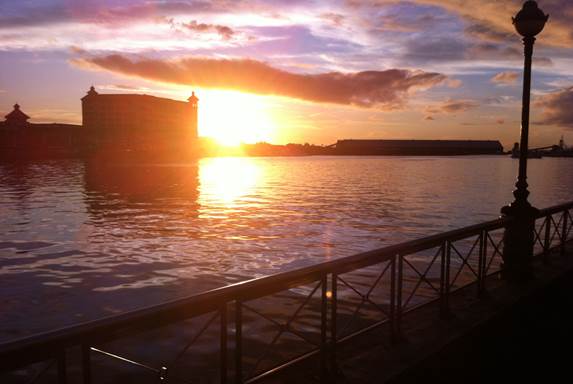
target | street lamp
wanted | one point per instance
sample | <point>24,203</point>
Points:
<point>519,234</point>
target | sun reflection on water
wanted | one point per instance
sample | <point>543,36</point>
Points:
<point>226,180</point>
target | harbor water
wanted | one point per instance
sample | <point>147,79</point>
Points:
<point>80,241</point>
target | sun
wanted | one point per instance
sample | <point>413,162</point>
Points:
<point>232,117</point>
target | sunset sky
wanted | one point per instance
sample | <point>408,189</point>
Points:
<point>296,71</point>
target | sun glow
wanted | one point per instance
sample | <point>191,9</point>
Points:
<point>232,117</point>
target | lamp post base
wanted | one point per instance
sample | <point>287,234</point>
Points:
<point>518,241</point>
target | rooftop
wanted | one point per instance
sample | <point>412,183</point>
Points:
<point>17,114</point>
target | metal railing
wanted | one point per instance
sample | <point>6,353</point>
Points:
<point>311,311</point>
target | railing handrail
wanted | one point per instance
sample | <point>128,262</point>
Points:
<point>554,209</point>
<point>42,345</point>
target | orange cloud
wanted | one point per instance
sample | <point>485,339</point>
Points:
<point>557,108</point>
<point>387,89</point>
<point>489,20</point>
<point>492,16</point>
<point>505,78</point>
<point>450,107</point>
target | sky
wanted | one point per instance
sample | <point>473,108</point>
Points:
<point>296,71</point>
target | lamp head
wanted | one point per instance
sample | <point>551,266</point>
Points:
<point>530,20</point>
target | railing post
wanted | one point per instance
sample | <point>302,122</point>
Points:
<point>445,280</point>
<point>547,240</point>
<point>323,329</point>
<point>564,230</point>
<point>86,364</point>
<point>485,263</point>
<point>448,282</point>
<point>481,262</point>
<point>442,277</point>
<point>393,330</point>
<point>62,369</point>
<point>399,287</point>
<point>238,342</point>
<point>223,344</point>
<point>333,319</point>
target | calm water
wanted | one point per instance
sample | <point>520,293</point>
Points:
<point>79,242</point>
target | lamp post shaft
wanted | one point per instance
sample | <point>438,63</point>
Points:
<point>519,234</point>
<point>521,193</point>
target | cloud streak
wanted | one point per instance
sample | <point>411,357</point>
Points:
<point>109,13</point>
<point>120,12</point>
<point>388,89</point>
<point>222,30</point>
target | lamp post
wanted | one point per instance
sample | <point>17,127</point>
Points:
<point>519,234</point>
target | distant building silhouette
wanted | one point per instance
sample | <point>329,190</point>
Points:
<point>418,147</point>
<point>22,139</point>
<point>139,122</point>
<point>16,118</point>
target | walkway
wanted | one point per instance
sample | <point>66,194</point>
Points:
<point>512,333</point>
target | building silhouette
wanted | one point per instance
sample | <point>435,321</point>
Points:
<point>139,122</point>
<point>21,139</point>
<point>116,127</point>
<point>418,147</point>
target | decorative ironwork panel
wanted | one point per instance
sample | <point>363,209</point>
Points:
<point>363,298</point>
<point>493,251</point>
<point>464,261</point>
<point>421,275</point>
<point>278,329</point>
